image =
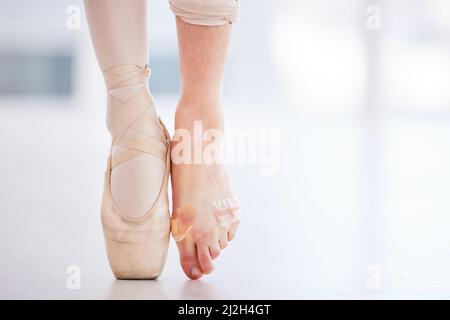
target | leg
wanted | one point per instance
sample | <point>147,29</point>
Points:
<point>197,187</point>
<point>118,31</point>
<point>135,207</point>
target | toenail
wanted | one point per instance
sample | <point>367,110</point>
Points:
<point>195,271</point>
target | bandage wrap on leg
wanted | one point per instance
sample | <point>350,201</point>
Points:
<point>206,12</point>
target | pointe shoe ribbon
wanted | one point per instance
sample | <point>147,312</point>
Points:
<point>127,115</point>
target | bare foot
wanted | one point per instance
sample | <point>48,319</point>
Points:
<point>204,210</point>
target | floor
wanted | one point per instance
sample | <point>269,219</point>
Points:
<point>358,208</point>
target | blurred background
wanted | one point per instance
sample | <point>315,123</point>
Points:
<point>358,208</point>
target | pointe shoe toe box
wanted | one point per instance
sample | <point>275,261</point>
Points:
<point>136,260</point>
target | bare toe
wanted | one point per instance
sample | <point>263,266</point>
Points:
<point>232,231</point>
<point>214,250</point>
<point>223,242</point>
<point>188,259</point>
<point>205,259</point>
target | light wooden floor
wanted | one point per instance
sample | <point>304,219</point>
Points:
<point>351,213</point>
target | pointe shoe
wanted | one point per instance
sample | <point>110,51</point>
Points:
<point>136,245</point>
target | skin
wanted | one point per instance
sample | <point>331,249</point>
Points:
<point>203,52</point>
<point>118,32</point>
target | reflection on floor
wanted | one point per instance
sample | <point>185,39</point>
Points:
<point>358,209</point>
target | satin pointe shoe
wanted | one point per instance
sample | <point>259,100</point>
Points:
<point>136,240</point>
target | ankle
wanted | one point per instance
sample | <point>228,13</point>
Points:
<point>208,112</point>
<point>197,100</point>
